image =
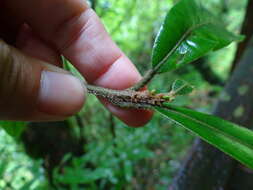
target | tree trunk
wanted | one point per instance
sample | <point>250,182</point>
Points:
<point>207,168</point>
<point>247,30</point>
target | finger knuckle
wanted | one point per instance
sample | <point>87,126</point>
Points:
<point>9,71</point>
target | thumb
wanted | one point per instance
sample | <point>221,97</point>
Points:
<point>32,90</point>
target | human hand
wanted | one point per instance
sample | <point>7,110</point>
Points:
<point>37,89</point>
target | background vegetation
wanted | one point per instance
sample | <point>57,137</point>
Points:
<point>100,152</point>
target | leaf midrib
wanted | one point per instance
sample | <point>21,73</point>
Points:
<point>238,157</point>
<point>180,88</point>
<point>185,35</point>
<point>213,128</point>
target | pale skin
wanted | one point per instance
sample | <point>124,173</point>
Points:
<point>33,87</point>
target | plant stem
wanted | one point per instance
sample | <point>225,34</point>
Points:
<point>153,71</point>
<point>129,98</point>
<point>145,80</point>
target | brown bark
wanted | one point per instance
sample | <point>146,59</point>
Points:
<point>247,30</point>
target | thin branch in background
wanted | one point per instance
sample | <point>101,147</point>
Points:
<point>224,6</point>
<point>112,126</point>
<point>114,136</point>
<point>81,125</point>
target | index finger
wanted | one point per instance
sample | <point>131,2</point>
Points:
<point>76,32</point>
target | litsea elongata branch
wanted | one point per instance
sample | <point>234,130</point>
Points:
<point>130,98</point>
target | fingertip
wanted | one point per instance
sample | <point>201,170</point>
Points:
<point>60,94</point>
<point>132,117</point>
<point>137,118</point>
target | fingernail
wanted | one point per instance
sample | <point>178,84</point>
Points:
<point>60,94</point>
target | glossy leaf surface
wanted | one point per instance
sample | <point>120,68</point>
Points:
<point>232,139</point>
<point>188,33</point>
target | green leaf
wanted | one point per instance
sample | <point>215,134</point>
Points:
<point>4,165</point>
<point>188,33</point>
<point>69,67</point>
<point>232,139</point>
<point>180,87</point>
<point>80,175</point>
<point>14,129</point>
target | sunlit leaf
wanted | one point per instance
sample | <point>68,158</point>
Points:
<point>188,33</point>
<point>232,139</point>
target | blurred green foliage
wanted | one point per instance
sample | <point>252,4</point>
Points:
<point>119,157</point>
<point>17,170</point>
